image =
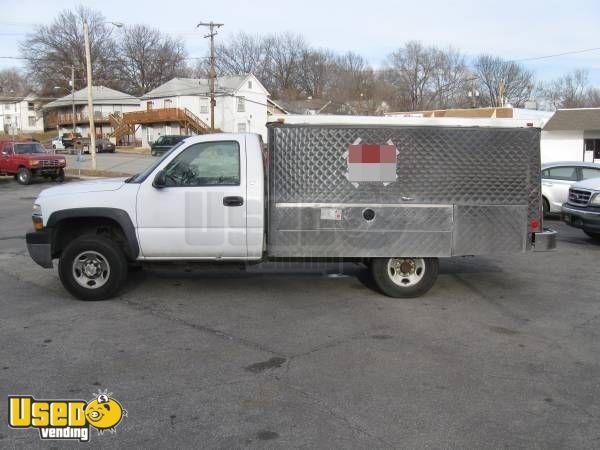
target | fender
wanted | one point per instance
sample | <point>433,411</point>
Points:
<point>118,215</point>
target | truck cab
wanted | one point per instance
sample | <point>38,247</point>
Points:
<point>202,201</point>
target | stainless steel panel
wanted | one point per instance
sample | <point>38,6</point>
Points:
<point>489,229</point>
<point>435,165</point>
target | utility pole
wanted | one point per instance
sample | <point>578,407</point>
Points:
<point>73,95</point>
<point>88,63</point>
<point>212,72</point>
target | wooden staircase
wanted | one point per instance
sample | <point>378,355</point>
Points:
<point>121,129</point>
<point>183,116</point>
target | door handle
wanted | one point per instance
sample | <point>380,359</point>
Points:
<point>233,201</point>
<point>546,184</point>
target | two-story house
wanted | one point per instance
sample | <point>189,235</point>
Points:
<point>106,101</point>
<point>20,115</point>
<point>241,106</point>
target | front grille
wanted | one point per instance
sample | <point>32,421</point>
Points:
<point>49,163</point>
<point>579,197</point>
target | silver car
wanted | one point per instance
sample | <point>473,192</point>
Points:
<point>557,178</point>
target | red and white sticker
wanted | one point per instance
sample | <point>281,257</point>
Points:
<point>372,162</point>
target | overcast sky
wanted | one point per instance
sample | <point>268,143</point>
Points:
<point>509,28</point>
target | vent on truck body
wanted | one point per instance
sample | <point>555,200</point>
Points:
<point>579,197</point>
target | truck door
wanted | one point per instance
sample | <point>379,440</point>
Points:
<point>5,157</point>
<point>200,210</point>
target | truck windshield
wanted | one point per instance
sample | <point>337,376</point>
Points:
<point>29,147</point>
<point>138,178</point>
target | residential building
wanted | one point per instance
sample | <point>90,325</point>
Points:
<point>58,114</point>
<point>572,135</point>
<point>20,115</point>
<point>182,105</point>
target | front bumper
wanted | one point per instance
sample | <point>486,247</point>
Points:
<point>587,219</point>
<point>39,246</point>
<point>545,240</point>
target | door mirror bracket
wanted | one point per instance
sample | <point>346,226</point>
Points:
<point>160,180</point>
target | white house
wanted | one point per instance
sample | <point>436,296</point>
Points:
<point>241,105</point>
<point>572,135</point>
<point>58,113</point>
<point>20,115</point>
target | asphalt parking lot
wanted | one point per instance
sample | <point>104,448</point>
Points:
<point>502,353</point>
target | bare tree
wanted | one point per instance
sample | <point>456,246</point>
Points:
<point>148,59</point>
<point>315,72</point>
<point>449,81</point>
<point>568,91</point>
<point>52,49</point>
<point>285,55</point>
<point>13,83</point>
<point>244,53</point>
<point>503,81</point>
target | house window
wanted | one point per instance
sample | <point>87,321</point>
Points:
<point>241,104</point>
<point>32,121</point>
<point>249,84</point>
<point>30,106</point>
<point>204,109</point>
<point>241,127</point>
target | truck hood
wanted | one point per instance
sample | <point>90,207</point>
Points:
<point>592,183</point>
<point>82,187</point>
<point>38,156</point>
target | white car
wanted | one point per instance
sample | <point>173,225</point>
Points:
<point>557,178</point>
<point>57,144</point>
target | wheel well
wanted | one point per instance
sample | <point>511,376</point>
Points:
<point>68,229</point>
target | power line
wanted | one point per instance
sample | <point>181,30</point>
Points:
<point>574,52</point>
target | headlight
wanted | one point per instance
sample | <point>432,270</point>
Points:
<point>36,217</point>
<point>34,163</point>
<point>595,200</point>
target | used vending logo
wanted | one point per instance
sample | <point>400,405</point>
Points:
<point>65,419</point>
<point>371,162</point>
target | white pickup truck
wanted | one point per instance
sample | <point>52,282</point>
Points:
<point>392,193</point>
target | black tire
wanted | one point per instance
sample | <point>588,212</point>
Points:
<point>24,176</point>
<point>595,236</point>
<point>54,146</point>
<point>60,176</point>
<point>383,276</point>
<point>153,153</point>
<point>109,252</point>
<point>545,207</point>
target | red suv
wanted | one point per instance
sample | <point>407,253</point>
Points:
<point>25,160</point>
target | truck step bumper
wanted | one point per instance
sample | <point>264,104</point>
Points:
<point>545,240</point>
<point>40,248</point>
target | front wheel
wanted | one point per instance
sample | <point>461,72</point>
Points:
<point>92,268</point>
<point>24,176</point>
<point>404,277</point>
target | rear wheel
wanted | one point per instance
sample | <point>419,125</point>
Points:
<point>404,277</point>
<point>92,268</point>
<point>59,177</point>
<point>595,236</point>
<point>24,176</point>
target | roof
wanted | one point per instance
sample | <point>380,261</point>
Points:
<point>570,163</point>
<point>305,106</point>
<point>16,98</point>
<point>318,119</point>
<point>574,119</point>
<point>198,86</point>
<point>277,105</point>
<point>101,95</point>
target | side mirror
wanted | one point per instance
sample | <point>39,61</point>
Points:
<point>160,180</point>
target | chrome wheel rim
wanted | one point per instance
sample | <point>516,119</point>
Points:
<point>22,177</point>
<point>406,272</point>
<point>91,269</point>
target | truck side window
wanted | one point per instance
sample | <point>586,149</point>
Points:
<point>206,164</point>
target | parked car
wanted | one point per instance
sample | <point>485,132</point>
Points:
<point>557,178</point>
<point>70,139</point>
<point>582,209</point>
<point>26,160</point>
<point>104,145</point>
<point>57,143</point>
<point>343,189</point>
<point>165,143</point>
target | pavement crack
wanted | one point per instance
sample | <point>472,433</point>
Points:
<point>203,328</point>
